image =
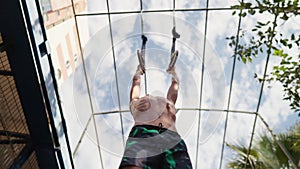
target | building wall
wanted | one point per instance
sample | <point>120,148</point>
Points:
<point>63,37</point>
<point>58,4</point>
<point>64,48</point>
<point>57,15</point>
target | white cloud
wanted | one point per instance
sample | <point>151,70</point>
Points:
<point>96,6</point>
<point>126,31</point>
<point>221,24</point>
<point>182,4</point>
<point>87,155</point>
<point>274,110</point>
<point>157,4</point>
<point>220,3</point>
<point>124,5</point>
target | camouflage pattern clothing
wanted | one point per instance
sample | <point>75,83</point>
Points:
<point>153,147</point>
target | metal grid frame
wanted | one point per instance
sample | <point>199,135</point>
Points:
<point>199,109</point>
<point>15,140</point>
<point>31,162</point>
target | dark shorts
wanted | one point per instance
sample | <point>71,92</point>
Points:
<point>152,147</point>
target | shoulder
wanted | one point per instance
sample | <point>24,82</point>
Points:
<point>169,101</point>
<point>134,100</point>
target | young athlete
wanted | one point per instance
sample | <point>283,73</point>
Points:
<point>153,142</point>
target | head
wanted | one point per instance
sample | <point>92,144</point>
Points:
<point>151,103</point>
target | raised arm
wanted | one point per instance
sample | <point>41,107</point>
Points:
<point>135,86</point>
<point>174,87</point>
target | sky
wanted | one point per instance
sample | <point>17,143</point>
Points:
<point>103,93</point>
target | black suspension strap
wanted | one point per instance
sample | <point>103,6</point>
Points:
<point>141,54</point>
<point>174,53</point>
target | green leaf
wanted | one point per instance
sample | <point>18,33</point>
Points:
<point>260,23</point>
<point>234,12</point>
<point>284,17</point>
<point>248,5</point>
<point>294,64</point>
<point>277,52</point>
<point>295,3</point>
<point>244,60</point>
<point>284,42</point>
<point>236,7</point>
<point>250,59</point>
<point>284,62</point>
<point>251,11</point>
<point>255,75</point>
<point>282,68</point>
<point>293,37</point>
<point>277,1</point>
<point>243,14</point>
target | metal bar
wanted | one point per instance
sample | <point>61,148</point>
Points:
<point>43,85</point>
<point>143,50</point>
<point>55,86</point>
<point>153,11</point>
<point>161,11</point>
<point>87,84</point>
<point>13,134</point>
<point>201,84</point>
<point>141,16</point>
<point>179,109</point>
<point>6,73</point>
<point>260,94</point>
<point>14,141</point>
<point>115,68</point>
<point>218,110</point>
<point>22,157</point>
<point>81,137</point>
<point>111,112</point>
<point>174,22</point>
<point>40,71</point>
<point>282,147</point>
<point>230,89</point>
<point>3,47</point>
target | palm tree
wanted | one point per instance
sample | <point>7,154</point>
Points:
<point>241,157</point>
<point>268,153</point>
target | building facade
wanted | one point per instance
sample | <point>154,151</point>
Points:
<point>62,34</point>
